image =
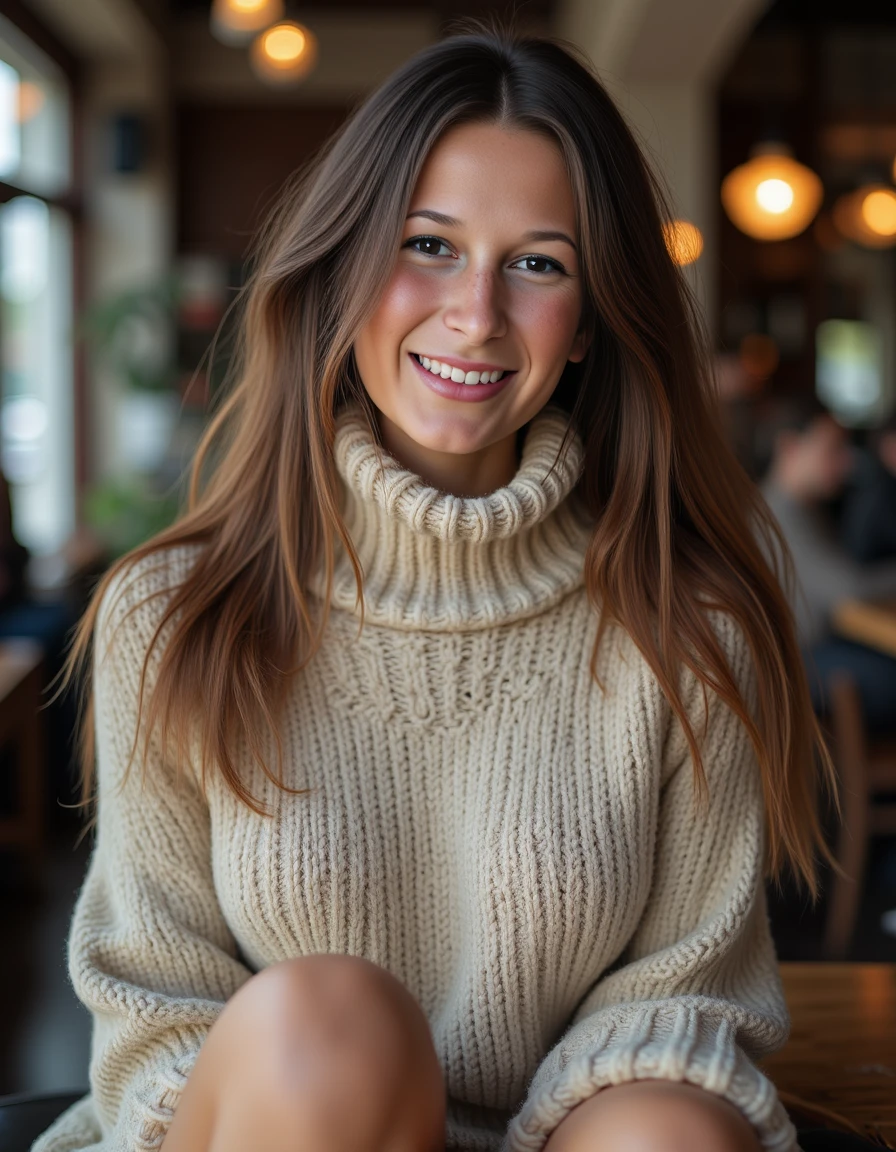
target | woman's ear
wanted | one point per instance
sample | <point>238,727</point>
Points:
<point>580,345</point>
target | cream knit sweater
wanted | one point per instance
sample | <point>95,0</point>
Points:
<point>522,850</point>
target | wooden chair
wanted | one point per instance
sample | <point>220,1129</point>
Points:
<point>867,771</point>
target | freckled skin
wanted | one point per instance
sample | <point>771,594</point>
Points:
<point>476,298</point>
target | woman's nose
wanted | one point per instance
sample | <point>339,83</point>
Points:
<point>475,308</point>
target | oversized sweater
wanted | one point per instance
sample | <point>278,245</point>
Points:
<point>524,850</point>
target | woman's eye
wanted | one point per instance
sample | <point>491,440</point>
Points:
<point>428,245</point>
<point>539,264</point>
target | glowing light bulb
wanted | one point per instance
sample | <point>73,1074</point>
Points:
<point>284,53</point>
<point>879,212</point>
<point>867,216</point>
<point>236,22</point>
<point>774,196</point>
<point>284,44</point>
<point>684,241</point>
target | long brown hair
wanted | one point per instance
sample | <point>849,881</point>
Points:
<point>678,524</point>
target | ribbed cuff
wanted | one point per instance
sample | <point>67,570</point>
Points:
<point>157,1108</point>
<point>655,1044</point>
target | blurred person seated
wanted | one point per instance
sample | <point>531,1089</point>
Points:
<point>868,512</point>
<point>812,459</point>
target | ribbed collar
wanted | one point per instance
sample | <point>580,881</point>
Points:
<point>439,562</point>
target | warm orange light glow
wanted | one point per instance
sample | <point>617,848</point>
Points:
<point>684,241</point>
<point>29,101</point>
<point>775,196</point>
<point>879,211</point>
<point>772,196</point>
<point>235,22</point>
<point>284,54</point>
<point>865,215</point>
<point>283,44</point>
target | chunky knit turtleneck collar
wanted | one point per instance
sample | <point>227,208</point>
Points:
<point>439,562</point>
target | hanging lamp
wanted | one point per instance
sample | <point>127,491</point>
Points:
<point>772,196</point>
<point>235,22</point>
<point>684,241</point>
<point>284,53</point>
<point>868,215</point>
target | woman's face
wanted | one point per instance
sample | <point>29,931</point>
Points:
<point>487,280</point>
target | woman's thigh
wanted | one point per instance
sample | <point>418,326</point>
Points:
<point>326,1050</point>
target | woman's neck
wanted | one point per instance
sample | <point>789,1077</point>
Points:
<point>471,474</point>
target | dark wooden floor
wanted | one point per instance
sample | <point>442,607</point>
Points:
<point>45,1030</point>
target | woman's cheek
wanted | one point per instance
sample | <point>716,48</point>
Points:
<point>410,297</point>
<point>549,323</point>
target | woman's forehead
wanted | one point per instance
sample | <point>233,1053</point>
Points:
<point>485,172</point>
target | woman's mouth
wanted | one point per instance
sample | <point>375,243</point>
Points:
<point>452,382</point>
<point>458,375</point>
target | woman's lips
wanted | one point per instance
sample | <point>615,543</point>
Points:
<point>453,391</point>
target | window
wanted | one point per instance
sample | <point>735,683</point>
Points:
<point>36,290</point>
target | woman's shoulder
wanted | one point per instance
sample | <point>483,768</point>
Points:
<point>141,587</point>
<point>727,631</point>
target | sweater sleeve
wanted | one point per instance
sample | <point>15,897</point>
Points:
<point>149,953</point>
<point>696,996</point>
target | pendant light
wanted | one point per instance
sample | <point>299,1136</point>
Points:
<point>235,22</point>
<point>772,196</point>
<point>684,241</point>
<point>868,215</point>
<point>284,53</point>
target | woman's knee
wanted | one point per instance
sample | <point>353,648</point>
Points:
<point>654,1116</point>
<point>312,1034</point>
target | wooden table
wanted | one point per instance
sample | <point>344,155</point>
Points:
<point>871,623</point>
<point>841,1054</point>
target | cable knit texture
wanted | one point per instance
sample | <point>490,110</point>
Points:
<point>518,847</point>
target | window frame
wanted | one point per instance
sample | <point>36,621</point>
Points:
<point>71,202</point>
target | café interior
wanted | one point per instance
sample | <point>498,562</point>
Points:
<point>141,142</point>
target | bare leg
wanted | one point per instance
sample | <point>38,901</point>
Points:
<point>654,1116</point>
<point>327,1052</point>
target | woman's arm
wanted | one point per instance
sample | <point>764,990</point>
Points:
<point>150,953</point>
<point>698,997</point>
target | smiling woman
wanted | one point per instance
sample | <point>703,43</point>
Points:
<point>476,298</point>
<point>532,693</point>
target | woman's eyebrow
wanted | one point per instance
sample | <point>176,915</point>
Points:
<point>450,222</point>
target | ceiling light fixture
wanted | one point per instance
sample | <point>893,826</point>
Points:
<point>772,196</point>
<point>236,22</point>
<point>868,215</point>
<point>284,53</point>
<point>684,241</point>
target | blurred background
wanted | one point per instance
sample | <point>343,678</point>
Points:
<point>140,144</point>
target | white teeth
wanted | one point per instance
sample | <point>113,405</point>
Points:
<point>457,374</point>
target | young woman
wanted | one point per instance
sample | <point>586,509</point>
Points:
<point>469,715</point>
